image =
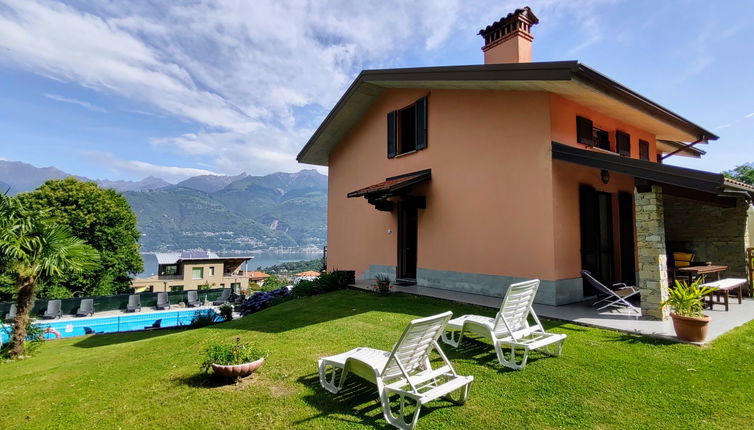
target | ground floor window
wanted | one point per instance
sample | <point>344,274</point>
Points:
<point>176,288</point>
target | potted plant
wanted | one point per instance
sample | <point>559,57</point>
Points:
<point>232,359</point>
<point>687,302</point>
<point>382,284</point>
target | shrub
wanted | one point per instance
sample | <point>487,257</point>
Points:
<point>687,300</point>
<point>304,288</point>
<point>274,282</point>
<point>264,299</point>
<point>228,354</point>
<point>324,283</point>
<point>204,318</point>
<point>382,284</point>
<point>226,312</point>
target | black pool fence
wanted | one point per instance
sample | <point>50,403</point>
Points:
<point>114,302</point>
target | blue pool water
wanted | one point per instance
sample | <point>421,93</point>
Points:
<point>114,324</point>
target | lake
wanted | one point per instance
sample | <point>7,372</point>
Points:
<point>264,259</point>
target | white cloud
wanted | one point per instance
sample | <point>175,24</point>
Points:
<point>749,115</point>
<point>140,168</point>
<point>720,127</point>
<point>84,104</point>
<point>241,72</point>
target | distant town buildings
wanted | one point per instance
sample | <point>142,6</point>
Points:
<point>192,270</point>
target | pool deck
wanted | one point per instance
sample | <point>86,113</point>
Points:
<point>583,313</point>
<point>120,312</point>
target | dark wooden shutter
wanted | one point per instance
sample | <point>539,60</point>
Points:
<point>391,137</point>
<point>421,123</point>
<point>643,150</point>
<point>584,131</point>
<point>624,143</point>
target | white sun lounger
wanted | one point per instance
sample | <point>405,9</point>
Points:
<point>510,329</point>
<point>405,371</point>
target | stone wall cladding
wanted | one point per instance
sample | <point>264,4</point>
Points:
<point>650,244</point>
<point>715,234</point>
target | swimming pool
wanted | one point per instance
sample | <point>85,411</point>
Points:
<point>118,323</point>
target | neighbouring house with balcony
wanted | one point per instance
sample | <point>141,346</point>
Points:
<point>188,270</point>
<point>470,178</point>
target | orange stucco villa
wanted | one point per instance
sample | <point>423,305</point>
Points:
<point>469,178</point>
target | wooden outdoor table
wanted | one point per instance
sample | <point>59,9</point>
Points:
<point>696,271</point>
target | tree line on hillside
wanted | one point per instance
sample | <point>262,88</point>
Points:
<point>294,266</point>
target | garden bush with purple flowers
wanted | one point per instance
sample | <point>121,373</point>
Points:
<point>264,299</point>
<point>333,281</point>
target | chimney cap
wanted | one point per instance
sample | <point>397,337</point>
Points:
<point>524,14</point>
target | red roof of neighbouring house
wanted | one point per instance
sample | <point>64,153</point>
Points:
<point>258,276</point>
<point>308,273</point>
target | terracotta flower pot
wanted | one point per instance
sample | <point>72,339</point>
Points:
<point>237,370</point>
<point>692,329</point>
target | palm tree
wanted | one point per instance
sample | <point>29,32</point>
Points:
<point>33,250</point>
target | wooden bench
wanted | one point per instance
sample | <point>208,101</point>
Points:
<point>723,288</point>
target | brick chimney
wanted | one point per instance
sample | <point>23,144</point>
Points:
<point>509,39</point>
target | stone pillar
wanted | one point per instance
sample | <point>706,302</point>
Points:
<point>650,245</point>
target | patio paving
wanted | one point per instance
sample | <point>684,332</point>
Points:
<point>584,314</point>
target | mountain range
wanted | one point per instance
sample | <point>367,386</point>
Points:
<point>221,213</point>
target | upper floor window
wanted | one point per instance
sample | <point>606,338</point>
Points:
<point>601,139</point>
<point>643,150</point>
<point>407,129</point>
<point>623,142</point>
<point>169,269</point>
<point>197,273</point>
<point>211,270</point>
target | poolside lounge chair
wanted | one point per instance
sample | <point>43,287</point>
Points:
<point>510,328</point>
<point>224,297</point>
<point>617,298</point>
<point>405,371</point>
<point>163,301</point>
<point>11,315</point>
<point>192,299</point>
<point>86,308</point>
<point>134,303</point>
<point>53,310</point>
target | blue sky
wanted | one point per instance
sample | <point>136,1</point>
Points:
<point>124,90</point>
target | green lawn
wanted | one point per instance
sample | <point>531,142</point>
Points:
<point>151,380</point>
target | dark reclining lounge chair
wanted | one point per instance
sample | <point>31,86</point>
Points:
<point>134,303</point>
<point>53,310</point>
<point>11,315</point>
<point>224,297</point>
<point>86,308</point>
<point>163,301</point>
<point>192,299</point>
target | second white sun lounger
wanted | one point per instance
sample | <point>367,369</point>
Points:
<point>509,331</point>
<point>405,371</point>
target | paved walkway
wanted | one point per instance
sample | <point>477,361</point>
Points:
<point>583,313</point>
